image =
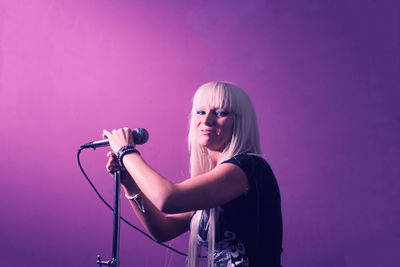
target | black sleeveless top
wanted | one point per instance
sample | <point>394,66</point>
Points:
<point>248,229</point>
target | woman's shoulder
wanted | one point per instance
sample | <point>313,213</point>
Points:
<point>253,165</point>
<point>244,159</point>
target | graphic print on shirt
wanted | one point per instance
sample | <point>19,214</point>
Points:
<point>229,252</point>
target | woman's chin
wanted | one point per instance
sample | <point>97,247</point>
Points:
<point>211,146</point>
<point>209,143</point>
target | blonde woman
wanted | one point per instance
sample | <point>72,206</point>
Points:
<point>230,204</point>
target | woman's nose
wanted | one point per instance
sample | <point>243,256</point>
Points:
<point>209,119</point>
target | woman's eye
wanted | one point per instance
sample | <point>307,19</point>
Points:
<point>200,112</point>
<point>221,113</point>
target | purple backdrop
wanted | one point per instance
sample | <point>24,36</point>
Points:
<point>324,78</point>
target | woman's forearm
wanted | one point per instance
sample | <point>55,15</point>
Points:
<point>153,185</point>
<point>160,226</point>
<point>214,188</point>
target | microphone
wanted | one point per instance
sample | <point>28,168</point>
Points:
<point>140,136</point>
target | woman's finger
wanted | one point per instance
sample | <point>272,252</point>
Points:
<point>108,165</point>
<point>112,167</point>
<point>112,164</point>
<point>111,154</point>
<point>106,133</point>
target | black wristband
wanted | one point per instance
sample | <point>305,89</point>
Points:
<point>128,149</point>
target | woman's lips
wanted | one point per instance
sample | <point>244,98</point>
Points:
<point>207,131</point>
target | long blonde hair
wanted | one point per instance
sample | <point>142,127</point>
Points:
<point>245,139</point>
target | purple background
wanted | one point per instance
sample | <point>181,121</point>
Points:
<point>324,78</point>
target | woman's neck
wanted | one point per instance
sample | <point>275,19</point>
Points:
<point>215,156</point>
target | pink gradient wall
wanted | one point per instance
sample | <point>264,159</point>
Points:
<point>324,78</point>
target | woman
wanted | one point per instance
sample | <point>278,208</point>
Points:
<point>231,203</point>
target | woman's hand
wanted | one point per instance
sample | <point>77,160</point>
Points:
<point>114,166</point>
<point>119,138</point>
<point>112,163</point>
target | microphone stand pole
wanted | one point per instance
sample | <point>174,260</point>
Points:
<point>116,224</point>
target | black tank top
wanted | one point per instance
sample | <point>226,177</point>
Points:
<point>248,229</point>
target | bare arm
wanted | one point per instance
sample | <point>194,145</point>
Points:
<point>160,226</point>
<point>214,188</point>
<point>222,184</point>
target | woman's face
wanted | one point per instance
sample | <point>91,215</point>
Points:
<point>213,126</point>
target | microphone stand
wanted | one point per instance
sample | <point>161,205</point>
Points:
<point>116,224</point>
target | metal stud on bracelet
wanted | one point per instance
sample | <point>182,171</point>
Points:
<point>128,149</point>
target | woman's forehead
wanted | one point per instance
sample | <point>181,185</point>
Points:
<point>211,101</point>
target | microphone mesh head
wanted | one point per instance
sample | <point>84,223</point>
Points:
<point>140,136</point>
